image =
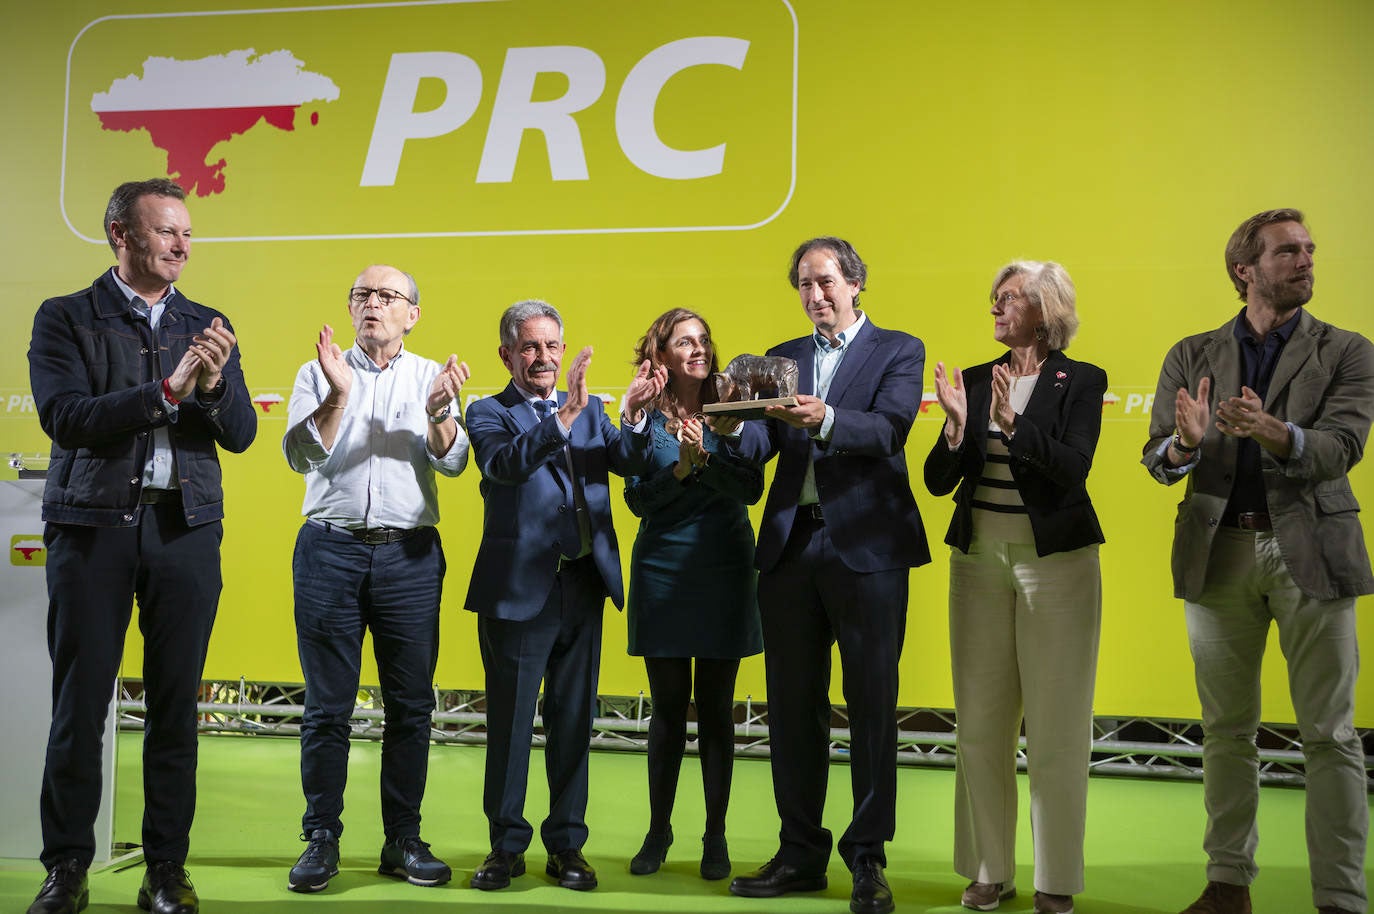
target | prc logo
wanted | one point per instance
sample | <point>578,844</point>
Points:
<point>188,107</point>
<point>440,118</point>
<point>26,549</point>
<point>265,401</point>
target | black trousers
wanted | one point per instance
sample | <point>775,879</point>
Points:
<point>94,576</point>
<point>810,601</point>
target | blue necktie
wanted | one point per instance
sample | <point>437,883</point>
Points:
<point>544,408</point>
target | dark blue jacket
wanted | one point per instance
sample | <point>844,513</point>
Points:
<point>529,512</point>
<point>861,474</point>
<point>96,371</point>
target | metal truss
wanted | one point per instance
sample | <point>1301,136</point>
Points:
<point>1131,746</point>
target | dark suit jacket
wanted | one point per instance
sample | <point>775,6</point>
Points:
<point>1051,454</point>
<point>861,476</point>
<point>529,518</point>
<point>1324,384</point>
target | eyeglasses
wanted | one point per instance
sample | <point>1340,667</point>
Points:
<point>387,297</point>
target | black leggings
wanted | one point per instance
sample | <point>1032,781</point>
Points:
<point>670,688</point>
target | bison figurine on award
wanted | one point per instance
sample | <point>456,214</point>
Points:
<point>752,383</point>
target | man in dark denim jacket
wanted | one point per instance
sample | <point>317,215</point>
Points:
<point>137,386</point>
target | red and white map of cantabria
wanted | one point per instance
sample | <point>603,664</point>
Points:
<point>189,106</point>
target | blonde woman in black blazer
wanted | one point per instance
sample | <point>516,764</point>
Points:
<point>1025,601</point>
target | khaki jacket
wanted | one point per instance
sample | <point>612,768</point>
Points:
<point>1324,384</point>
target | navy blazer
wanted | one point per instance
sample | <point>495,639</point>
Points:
<point>1051,454</point>
<point>861,475</point>
<point>529,518</point>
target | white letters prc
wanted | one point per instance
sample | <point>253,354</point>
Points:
<point>514,111</point>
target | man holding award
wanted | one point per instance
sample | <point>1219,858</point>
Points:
<point>839,533</point>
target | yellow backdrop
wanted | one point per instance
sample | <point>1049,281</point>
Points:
<point>618,158</point>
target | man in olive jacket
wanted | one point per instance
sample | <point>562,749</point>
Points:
<point>1269,530</point>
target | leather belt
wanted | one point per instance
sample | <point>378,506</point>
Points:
<point>1249,520</point>
<point>370,536</point>
<point>159,497</point>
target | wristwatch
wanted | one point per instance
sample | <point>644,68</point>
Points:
<point>441,416</point>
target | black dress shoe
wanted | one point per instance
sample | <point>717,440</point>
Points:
<point>498,870</point>
<point>64,891</point>
<point>167,889</point>
<point>871,893</point>
<point>571,870</point>
<point>775,878</point>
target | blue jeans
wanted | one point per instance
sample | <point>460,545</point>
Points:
<point>343,586</point>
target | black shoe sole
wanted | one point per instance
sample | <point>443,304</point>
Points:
<point>817,884</point>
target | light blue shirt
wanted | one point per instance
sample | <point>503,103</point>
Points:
<point>1299,442</point>
<point>380,472</point>
<point>160,472</point>
<point>828,359</point>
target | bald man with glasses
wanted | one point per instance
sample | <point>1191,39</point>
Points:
<point>370,428</point>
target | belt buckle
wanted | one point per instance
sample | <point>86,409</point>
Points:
<point>1253,520</point>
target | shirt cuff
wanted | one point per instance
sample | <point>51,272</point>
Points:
<point>1299,441</point>
<point>1182,469</point>
<point>827,424</point>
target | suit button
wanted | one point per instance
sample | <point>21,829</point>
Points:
<point>134,481</point>
<point>562,509</point>
<point>128,517</point>
<point>1211,521</point>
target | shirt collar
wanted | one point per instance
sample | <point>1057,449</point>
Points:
<point>845,336</point>
<point>361,359</point>
<point>531,396</point>
<point>130,294</point>
<point>1284,330</point>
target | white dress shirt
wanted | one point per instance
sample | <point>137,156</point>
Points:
<point>380,472</point>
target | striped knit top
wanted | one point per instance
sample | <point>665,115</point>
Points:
<point>998,512</point>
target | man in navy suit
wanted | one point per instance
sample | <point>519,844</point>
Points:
<point>840,531</point>
<point>547,561</point>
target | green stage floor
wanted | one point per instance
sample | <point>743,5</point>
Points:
<point>1143,842</point>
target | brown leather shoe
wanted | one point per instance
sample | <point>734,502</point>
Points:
<point>1221,898</point>
<point>987,896</point>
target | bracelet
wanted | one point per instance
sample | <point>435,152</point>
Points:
<point>1183,448</point>
<point>439,417</point>
<point>333,405</point>
<point>167,393</point>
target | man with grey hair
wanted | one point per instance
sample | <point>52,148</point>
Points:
<point>547,561</point>
<point>370,428</point>
<point>138,387</point>
<point>1269,532</point>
